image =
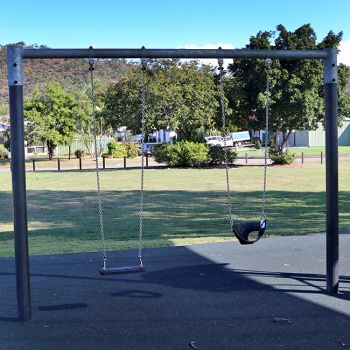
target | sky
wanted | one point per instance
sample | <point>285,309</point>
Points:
<point>165,23</point>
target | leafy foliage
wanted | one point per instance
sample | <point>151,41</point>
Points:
<point>217,155</point>
<point>3,152</point>
<point>180,96</point>
<point>50,117</point>
<point>115,149</point>
<point>4,109</point>
<point>182,154</point>
<point>167,153</point>
<point>131,149</point>
<point>7,144</point>
<point>296,94</point>
<point>281,158</point>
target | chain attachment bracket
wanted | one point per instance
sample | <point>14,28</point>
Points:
<point>143,59</point>
<point>91,59</point>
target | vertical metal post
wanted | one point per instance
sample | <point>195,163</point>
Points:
<point>69,152</point>
<point>33,160</point>
<point>58,164</point>
<point>80,166</point>
<point>302,157</point>
<point>246,158</point>
<point>15,82</point>
<point>146,160</point>
<point>124,162</point>
<point>104,162</point>
<point>332,205</point>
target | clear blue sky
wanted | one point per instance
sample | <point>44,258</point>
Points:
<point>156,23</point>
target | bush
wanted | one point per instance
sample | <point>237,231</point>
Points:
<point>3,152</point>
<point>7,144</point>
<point>115,149</point>
<point>79,153</point>
<point>194,154</point>
<point>183,153</point>
<point>112,146</point>
<point>119,152</point>
<point>217,155</point>
<point>280,157</point>
<point>167,153</point>
<point>131,149</point>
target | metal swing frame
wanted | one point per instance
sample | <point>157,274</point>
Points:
<point>15,56</point>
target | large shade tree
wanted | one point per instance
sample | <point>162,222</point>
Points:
<point>180,96</point>
<point>296,94</point>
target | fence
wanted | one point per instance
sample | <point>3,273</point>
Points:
<point>88,164</point>
<point>87,147</point>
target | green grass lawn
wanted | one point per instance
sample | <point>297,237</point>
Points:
<point>182,206</point>
<point>308,151</point>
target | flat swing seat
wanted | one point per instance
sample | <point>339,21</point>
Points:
<point>242,230</point>
<point>122,270</point>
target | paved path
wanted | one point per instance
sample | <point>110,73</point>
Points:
<point>218,296</point>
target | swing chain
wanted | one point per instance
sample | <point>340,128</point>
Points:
<point>99,199</point>
<point>143,128</point>
<point>268,63</point>
<point>222,104</point>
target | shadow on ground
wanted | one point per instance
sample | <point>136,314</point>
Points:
<point>219,296</point>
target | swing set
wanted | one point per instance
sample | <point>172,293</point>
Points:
<point>242,230</point>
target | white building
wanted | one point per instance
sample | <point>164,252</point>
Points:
<point>161,136</point>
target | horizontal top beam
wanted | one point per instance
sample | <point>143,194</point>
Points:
<point>173,53</point>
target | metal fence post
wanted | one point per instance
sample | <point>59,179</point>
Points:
<point>302,157</point>
<point>104,162</point>
<point>33,160</point>
<point>15,82</point>
<point>58,164</point>
<point>80,165</point>
<point>332,204</point>
<point>146,160</point>
<point>124,162</point>
<point>246,158</point>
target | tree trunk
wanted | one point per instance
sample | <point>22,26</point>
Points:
<point>285,139</point>
<point>280,148</point>
<point>277,141</point>
<point>87,146</point>
<point>51,149</point>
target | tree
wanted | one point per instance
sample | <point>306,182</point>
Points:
<point>180,96</point>
<point>4,109</point>
<point>50,117</point>
<point>296,94</point>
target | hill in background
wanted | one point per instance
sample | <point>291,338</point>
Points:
<point>71,73</point>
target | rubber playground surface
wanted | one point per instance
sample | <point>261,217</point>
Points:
<point>270,295</point>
